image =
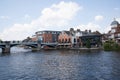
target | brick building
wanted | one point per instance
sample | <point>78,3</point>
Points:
<point>64,37</point>
<point>46,36</point>
<point>34,38</point>
<point>78,38</point>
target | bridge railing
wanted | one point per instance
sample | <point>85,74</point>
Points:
<point>30,42</point>
<point>24,42</point>
<point>15,42</point>
<point>2,43</point>
<point>49,43</point>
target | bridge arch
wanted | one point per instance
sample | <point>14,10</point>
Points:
<point>6,46</point>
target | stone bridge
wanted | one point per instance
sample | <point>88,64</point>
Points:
<point>6,45</point>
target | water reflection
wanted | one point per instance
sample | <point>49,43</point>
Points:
<point>60,65</point>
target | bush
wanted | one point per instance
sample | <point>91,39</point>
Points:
<point>107,47</point>
<point>111,46</point>
<point>88,45</point>
<point>116,47</point>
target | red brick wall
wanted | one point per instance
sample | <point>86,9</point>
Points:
<point>34,38</point>
<point>64,38</point>
<point>47,37</point>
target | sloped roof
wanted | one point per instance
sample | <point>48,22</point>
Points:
<point>67,32</point>
<point>114,23</point>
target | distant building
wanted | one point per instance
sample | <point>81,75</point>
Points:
<point>34,38</point>
<point>105,37</point>
<point>28,39</point>
<point>64,37</point>
<point>78,38</point>
<point>114,33</point>
<point>95,40</point>
<point>46,36</point>
<point>75,36</point>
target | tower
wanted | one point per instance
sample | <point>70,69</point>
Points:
<point>114,23</point>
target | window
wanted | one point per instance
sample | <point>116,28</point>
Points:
<point>78,40</point>
<point>118,34</point>
<point>62,40</point>
<point>113,30</point>
<point>69,40</point>
<point>65,40</point>
<point>74,40</point>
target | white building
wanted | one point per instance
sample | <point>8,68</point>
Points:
<point>114,33</point>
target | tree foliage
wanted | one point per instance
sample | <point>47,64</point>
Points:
<point>88,45</point>
<point>111,46</point>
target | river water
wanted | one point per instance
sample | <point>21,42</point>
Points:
<point>23,64</point>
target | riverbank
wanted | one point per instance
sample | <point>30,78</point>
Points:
<point>81,49</point>
<point>85,48</point>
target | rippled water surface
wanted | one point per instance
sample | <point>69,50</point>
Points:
<point>23,64</point>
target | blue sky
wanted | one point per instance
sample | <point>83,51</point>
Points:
<point>22,18</point>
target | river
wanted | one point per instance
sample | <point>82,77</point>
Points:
<point>23,64</point>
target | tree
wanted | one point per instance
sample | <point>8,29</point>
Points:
<point>88,45</point>
<point>107,46</point>
<point>111,46</point>
<point>0,41</point>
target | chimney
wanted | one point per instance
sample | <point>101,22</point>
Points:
<point>78,30</point>
<point>89,31</point>
<point>86,30</point>
<point>71,29</point>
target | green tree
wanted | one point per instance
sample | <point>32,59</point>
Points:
<point>116,47</point>
<point>107,46</point>
<point>111,46</point>
<point>88,44</point>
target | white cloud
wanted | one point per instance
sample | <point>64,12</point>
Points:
<point>89,26</point>
<point>17,32</point>
<point>4,17</point>
<point>106,29</point>
<point>118,19</point>
<point>99,18</point>
<point>55,17</point>
<point>58,14</point>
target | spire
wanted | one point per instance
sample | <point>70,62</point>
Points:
<point>114,22</point>
<point>114,19</point>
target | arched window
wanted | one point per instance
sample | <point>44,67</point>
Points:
<point>59,40</point>
<point>69,40</point>
<point>74,40</point>
<point>66,40</point>
<point>62,40</point>
<point>78,40</point>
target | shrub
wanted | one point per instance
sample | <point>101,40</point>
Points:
<point>107,47</point>
<point>111,46</point>
<point>88,45</point>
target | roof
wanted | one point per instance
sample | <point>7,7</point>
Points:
<point>67,32</point>
<point>114,23</point>
<point>89,35</point>
<point>47,31</point>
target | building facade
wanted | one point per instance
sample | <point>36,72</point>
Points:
<point>93,40</point>
<point>46,36</point>
<point>79,38</point>
<point>114,33</point>
<point>34,38</point>
<point>64,37</point>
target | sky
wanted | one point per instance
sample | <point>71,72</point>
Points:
<point>22,18</point>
